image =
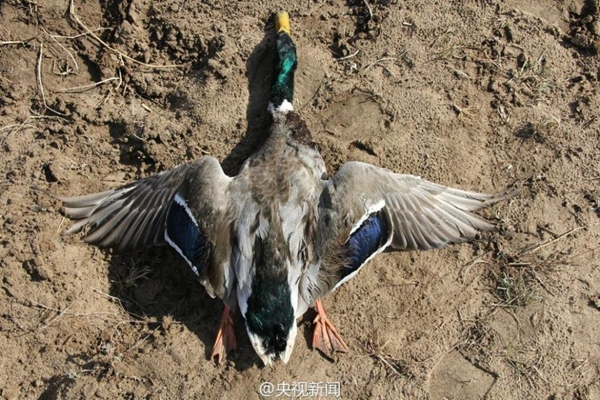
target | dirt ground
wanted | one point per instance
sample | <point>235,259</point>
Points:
<point>479,95</point>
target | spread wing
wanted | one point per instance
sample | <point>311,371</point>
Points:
<point>364,210</point>
<point>185,207</point>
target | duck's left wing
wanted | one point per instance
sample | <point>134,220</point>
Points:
<point>185,207</point>
<point>364,210</point>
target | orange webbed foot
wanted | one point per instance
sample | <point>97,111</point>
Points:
<point>326,338</point>
<point>225,340</point>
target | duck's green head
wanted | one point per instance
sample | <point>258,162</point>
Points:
<point>268,301</point>
<point>282,91</point>
<point>270,320</point>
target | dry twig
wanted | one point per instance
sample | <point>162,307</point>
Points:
<point>379,61</point>
<point>68,71</point>
<point>369,9</point>
<point>85,88</point>
<point>348,56</point>
<point>540,246</point>
<point>73,15</point>
<point>38,68</point>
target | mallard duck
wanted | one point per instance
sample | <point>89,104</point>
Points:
<point>274,240</point>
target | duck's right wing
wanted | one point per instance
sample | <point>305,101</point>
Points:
<point>364,210</point>
<point>185,207</point>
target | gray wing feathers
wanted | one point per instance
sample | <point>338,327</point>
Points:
<point>424,215</point>
<point>132,217</point>
<point>113,218</point>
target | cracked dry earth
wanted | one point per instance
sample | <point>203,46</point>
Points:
<point>479,95</point>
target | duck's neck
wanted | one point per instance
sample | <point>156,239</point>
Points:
<point>282,91</point>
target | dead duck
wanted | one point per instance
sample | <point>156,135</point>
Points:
<point>278,237</point>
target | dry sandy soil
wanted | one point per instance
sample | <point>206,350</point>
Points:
<point>480,95</point>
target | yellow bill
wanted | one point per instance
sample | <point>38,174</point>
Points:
<point>282,22</point>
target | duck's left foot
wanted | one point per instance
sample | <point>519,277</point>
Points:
<point>225,337</point>
<point>326,338</point>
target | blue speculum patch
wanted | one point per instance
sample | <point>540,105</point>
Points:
<point>365,241</point>
<point>184,233</point>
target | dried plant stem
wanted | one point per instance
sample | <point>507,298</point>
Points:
<point>76,70</point>
<point>85,88</point>
<point>38,68</point>
<point>60,313</point>
<point>348,56</point>
<point>379,61</point>
<point>540,246</point>
<point>369,9</point>
<point>107,46</point>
